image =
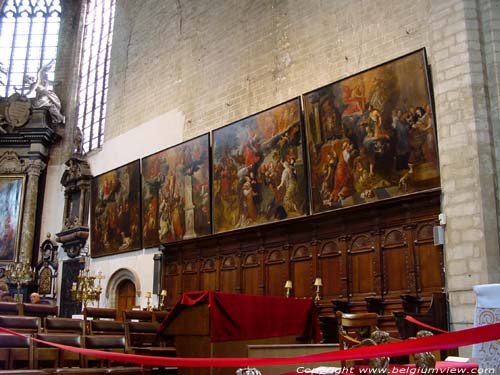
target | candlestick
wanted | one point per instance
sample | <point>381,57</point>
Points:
<point>288,287</point>
<point>163,295</point>
<point>148,305</point>
<point>84,289</point>
<point>20,273</point>
<point>318,283</point>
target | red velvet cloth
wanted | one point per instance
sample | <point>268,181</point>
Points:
<point>243,317</point>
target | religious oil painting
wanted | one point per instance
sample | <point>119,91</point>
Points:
<point>176,193</point>
<point>259,169</point>
<point>116,211</point>
<point>372,136</point>
<point>11,208</point>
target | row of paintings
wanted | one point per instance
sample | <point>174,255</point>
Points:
<point>365,138</point>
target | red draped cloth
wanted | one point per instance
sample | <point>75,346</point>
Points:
<point>245,317</point>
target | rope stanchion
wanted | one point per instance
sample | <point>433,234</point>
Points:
<point>411,319</point>
<point>425,344</point>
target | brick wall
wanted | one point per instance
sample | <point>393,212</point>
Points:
<point>219,61</point>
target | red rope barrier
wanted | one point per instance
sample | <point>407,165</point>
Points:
<point>425,344</point>
<point>411,319</point>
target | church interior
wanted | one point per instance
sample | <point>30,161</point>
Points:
<point>274,182</point>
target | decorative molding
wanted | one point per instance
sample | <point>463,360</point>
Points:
<point>73,240</point>
<point>76,181</point>
<point>330,248</point>
<point>11,164</point>
<point>350,247</point>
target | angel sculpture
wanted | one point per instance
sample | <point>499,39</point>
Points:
<point>379,365</point>
<point>45,98</point>
<point>426,360</point>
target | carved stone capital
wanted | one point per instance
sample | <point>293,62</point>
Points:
<point>35,167</point>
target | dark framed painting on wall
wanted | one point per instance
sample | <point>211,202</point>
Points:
<point>176,193</point>
<point>11,209</point>
<point>372,136</point>
<point>116,211</point>
<point>259,170</point>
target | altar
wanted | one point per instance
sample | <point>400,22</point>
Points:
<point>210,324</point>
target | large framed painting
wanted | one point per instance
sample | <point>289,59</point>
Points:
<point>11,209</point>
<point>116,211</point>
<point>176,193</point>
<point>259,170</point>
<point>372,136</point>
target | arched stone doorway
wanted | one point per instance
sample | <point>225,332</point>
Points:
<point>122,290</point>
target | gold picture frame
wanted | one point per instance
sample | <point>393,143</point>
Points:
<point>11,213</point>
<point>258,169</point>
<point>372,136</point>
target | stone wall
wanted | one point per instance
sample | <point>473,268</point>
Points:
<point>466,149</point>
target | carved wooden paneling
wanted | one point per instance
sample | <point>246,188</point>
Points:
<point>361,266</point>
<point>395,263</point>
<point>173,277</point>
<point>429,260</point>
<point>190,276</point>
<point>276,273</point>
<point>301,271</point>
<point>330,268</point>
<point>380,250</point>
<point>229,274</point>
<point>208,274</point>
<point>250,274</point>
<point>250,282</point>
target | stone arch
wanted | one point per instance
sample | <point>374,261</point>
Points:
<point>116,278</point>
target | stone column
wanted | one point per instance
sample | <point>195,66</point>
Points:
<point>81,209</point>
<point>66,207</point>
<point>33,169</point>
<point>189,207</point>
<point>467,154</point>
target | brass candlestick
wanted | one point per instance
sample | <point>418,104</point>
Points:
<point>163,295</point>
<point>20,273</point>
<point>148,297</point>
<point>84,289</point>
<point>288,287</point>
<point>318,283</point>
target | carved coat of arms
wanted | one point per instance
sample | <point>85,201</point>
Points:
<point>18,110</point>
